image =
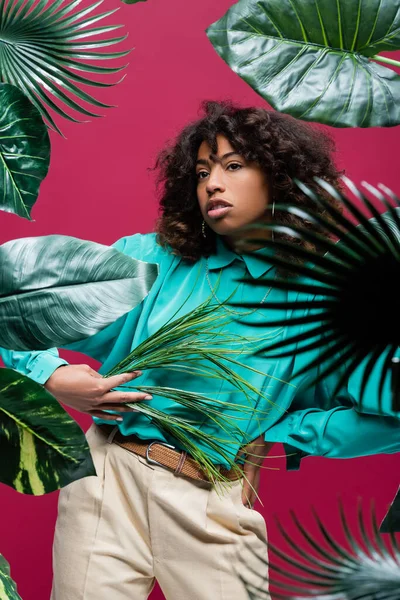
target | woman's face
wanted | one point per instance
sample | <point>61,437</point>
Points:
<point>231,192</point>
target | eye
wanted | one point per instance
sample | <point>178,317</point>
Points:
<point>235,165</point>
<point>201,173</point>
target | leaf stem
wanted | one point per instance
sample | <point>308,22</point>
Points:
<point>384,59</point>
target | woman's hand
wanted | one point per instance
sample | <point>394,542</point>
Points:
<point>251,469</point>
<point>85,390</point>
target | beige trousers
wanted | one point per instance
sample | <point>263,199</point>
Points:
<point>136,523</point>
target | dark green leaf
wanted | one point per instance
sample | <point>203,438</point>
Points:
<point>312,59</point>
<point>45,448</point>
<point>24,151</point>
<point>57,289</point>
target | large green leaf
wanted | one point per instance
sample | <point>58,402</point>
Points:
<point>43,47</point>
<point>311,58</point>
<point>45,448</point>
<point>8,589</point>
<point>24,151</point>
<point>57,289</point>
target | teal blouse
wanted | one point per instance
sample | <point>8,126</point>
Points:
<point>307,420</point>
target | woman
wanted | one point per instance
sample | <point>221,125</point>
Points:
<point>154,517</point>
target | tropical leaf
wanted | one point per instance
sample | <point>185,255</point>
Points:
<point>197,343</point>
<point>364,569</point>
<point>43,47</point>
<point>133,1</point>
<point>365,263</point>
<point>8,588</point>
<point>315,59</point>
<point>57,289</point>
<point>391,522</point>
<point>24,151</point>
<point>45,448</point>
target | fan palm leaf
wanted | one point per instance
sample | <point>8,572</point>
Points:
<point>366,568</point>
<point>364,263</point>
<point>42,46</point>
<point>315,59</point>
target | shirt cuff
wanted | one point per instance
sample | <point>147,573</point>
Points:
<point>293,457</point>
<point>42,367</point>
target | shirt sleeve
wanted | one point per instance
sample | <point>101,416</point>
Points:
<point>39,366</point>
<point>319,424</point>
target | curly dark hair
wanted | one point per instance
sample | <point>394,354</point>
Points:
<point>284,147</point>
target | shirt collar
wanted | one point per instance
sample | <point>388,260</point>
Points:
<point>255,262</point>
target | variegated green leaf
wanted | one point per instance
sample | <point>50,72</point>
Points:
<point>56,289</point>
<point>44,46</point>
<point>42,448</point>
<point>8,588</point>
<point>24,151</point>
<point>311,58</point>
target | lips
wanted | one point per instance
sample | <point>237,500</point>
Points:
<point>217,208</point>
<point>217,203</point>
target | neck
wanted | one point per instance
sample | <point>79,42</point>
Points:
<point>241,241</point>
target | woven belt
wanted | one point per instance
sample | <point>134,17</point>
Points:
<point>160,453</point>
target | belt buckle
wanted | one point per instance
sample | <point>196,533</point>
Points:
<point>151,460</point>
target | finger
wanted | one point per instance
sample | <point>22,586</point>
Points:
<point>117,380</point>
<point>105,416</point>
<point>123,397</point>
<point>118,407</point>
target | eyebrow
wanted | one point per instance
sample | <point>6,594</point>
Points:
<point>215,158</point>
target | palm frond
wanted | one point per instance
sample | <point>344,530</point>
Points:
<point>42,46</point>
<point>363,568</point>
<point>363,265</point>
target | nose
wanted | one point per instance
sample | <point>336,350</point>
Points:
<point>215,181</point>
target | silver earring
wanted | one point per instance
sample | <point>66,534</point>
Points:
<point>273,215</point>
<point>203,229</point>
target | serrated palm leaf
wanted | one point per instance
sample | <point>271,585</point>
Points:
<point>364,569</point>
<point>45,448</point>
<point>41,44</point>
<point>24,152</point>
<point>363,264</point>
<point>8,588</point>
<point>314,59</point>
<point>57,289</point>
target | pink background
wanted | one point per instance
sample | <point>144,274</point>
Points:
<point>99,189</point>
